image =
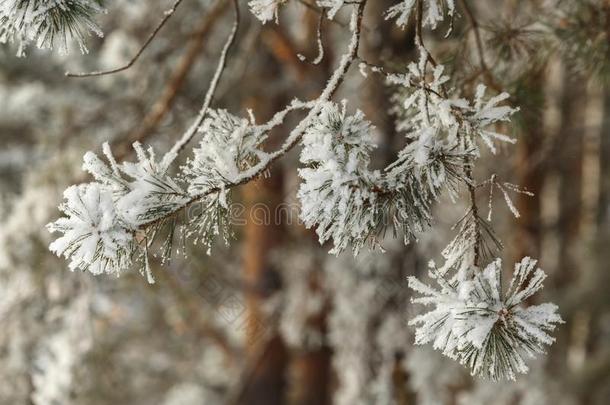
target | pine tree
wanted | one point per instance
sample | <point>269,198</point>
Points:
<point>458,98</point>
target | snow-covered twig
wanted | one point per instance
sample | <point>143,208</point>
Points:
<point>188,135</point>
<point>319,43</point>
<point>166,16</point>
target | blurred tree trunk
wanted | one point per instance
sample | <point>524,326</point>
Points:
<point>312,376</point>
<point>604,197</point>
<point>569,167</point>
<point>531,172</point>
<point>267,355</point>
<point>567,158</point>
<point>263,233</point>
<point>587,357</point>
<point>582,319</point>
<point>310,368</point>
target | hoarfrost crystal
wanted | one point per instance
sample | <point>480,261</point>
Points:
<point>265,10</point>
<point>433,11</point>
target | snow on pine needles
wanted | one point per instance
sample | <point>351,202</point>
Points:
<point>48,23</point>
<point>92,237</point>
<point>112,221</point>
<point>474,322</point>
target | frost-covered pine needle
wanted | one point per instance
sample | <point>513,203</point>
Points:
<point>490,331</point>
<point>48,23</point>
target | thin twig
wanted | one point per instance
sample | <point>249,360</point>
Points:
<point>479,44</point>
<point>419,41</point>
<point>166,16</point>
<point>318,10</point>
<point>262,347</point>
<point>384,71</point>
<point>188,135</point>
<point>470,183</point>
<point>319,43</point>
<point>469,175</point>
<point>164,103</point>
<point>475,213</point>
<point>201,324</point>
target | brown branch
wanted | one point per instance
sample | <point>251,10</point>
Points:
<point>166,16</point>
<point>489,79</point>
<point>419,10</point>
<point>475,213</point>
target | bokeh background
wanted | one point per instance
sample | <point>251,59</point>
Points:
<point>272,318</point>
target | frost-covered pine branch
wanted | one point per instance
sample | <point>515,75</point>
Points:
<point>113,221</point>
<point>129,202</point>
<point>474,321</point>
<point>339,193</point>
<point>48,23</point>
<point>91,236</point>
<point>352,204</point>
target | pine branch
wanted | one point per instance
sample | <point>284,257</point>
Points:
<point>48,23</point>
<point>296,134</point>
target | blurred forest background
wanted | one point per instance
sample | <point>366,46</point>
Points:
<point>273,319</point>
